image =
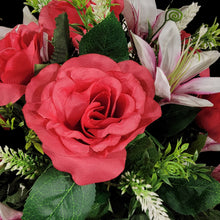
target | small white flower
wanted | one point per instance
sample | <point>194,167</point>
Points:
<point>189,12</point>
<point>101,9</point>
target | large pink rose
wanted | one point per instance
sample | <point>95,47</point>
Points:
<point>19,51</point>
<point>86,111</point>
<point>54,8</point>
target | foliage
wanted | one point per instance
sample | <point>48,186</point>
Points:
<point>184,195</point>
<point>162,179</point>
<point>53,192</point>
<point>210,38</point>
<point>63,47</point>
<point>106,38</point>
<point>26,165</point>
<point>37,5</point>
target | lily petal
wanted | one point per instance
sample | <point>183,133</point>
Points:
<point>27,16</point>
<point>211,145</point>
<point>170,47</point>
<point>130,15</point>
<point>8,213</point>
<point>144,12</point>
<point>162,87</point>
<point>145,53</point>
<point>201,85</point>
<point>4,31</point>
<point>200,62</point>
<point>187,100</point>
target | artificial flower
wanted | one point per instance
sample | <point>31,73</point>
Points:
<point>20,50</point>
<point>51,11</point>
<point>7,213</point>
<point>27,18</point>
<point>216,173</point>
<point>96,108</point>
<point>54,8</point>
<point>175,71</point>
<point>173,68</point>
<point>209,118</point>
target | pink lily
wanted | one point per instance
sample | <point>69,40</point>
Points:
<point>140,14</point>
<point>7,213</point>
<point>175,71</point>
<point>212,145</point>
<point>216,173</point>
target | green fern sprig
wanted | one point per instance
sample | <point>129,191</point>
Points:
<point>150,202</point>
<point>25,164</point>
<point>37,4</point>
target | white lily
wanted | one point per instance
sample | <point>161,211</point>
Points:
<point>175,71</point>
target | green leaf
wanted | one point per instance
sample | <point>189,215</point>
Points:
<point>55,196</point>
<point>106,38</point>
<point>191,197</point>
<point>39,67</point>
<point>174,119</point>
<point>63,47</point>
<point>38,147</point>
<point>140,217</point>
<point>141,154</point>
<point>198,144</point>
<point>101,205</point>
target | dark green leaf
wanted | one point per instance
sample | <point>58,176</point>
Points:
<point>191,197</point>
<point>39,67</point>
<point>106,38</point>
<point>63,47</point>
<point>174,119</point>
<point>55,196</point>
<point>140,217</point>
<point>101,204</point>
<point>141,154</point>
<point>198,144</point>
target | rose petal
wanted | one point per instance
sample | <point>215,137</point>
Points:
<point>123,127</point>
<point>10,93</point>
<point>92,168</point>
<point>37,84</point>
<point>104,64</point>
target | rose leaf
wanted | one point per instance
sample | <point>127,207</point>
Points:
<point>184,195</point>
<point>106,38</point>
<point>55,196</point>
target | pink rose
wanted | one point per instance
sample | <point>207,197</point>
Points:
<point>86,111</point>
<point>54,8</point>
<point>19,51</point>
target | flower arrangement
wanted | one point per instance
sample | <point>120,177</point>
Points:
<point>105,109</point>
